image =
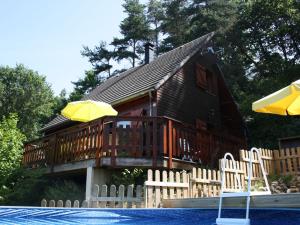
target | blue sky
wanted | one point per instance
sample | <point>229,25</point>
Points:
<point>47,36</point>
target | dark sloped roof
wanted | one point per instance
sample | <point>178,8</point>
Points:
<point>142,78</point>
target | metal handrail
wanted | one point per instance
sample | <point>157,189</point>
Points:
<point>247,193</point>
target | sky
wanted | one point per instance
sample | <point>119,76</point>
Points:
<point>47,35</point>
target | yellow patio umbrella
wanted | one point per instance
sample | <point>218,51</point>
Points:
<point>286,101</point>
<point>85,111</point>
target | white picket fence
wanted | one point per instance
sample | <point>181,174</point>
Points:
<point>121,198</point>
<point>165,185</point>
<point>200,182</point>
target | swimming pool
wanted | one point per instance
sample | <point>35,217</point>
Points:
<point>50,216</point>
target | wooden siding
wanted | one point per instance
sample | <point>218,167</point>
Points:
<point>180,97</point>
<point>134,107</point>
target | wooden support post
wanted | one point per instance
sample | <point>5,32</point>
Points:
<point>100,143</point>
<point>89,183</point>
<point>165,136</point>
<point>154,143</point>
<point>113,146</point>
<point>54,152</point>
<point>170,129</point>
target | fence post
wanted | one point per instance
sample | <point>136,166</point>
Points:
<point>178,190</point>
<point>129,196</point>
<point>52,203</point>
<point>60,203</point>
<point>103,194</point>
<point>277,162</point>
<point>68,204</point>
<point>76,204</point>
<point>139,196</point>
<point>164,189</point>
<point>185,180</point>
<point>149,190</point>
<point>171,178</point>
<point>44,203</point>
<point>112,204</point>
<point>95,193</point>
<point>157,188</point>
<point>85,204</point>
<point>121,196</point>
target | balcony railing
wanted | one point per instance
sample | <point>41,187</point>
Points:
<point>133,137</point>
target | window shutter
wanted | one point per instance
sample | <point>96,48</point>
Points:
<point>200,124</point>
<point>201,76</point>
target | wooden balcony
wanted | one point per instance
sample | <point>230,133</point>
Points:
<point>109,139</point>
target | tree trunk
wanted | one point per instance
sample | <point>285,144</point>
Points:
<point>133,57</point>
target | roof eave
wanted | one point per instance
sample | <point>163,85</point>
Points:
<point>131,97</point>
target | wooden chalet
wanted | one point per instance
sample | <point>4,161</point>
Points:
<point>175,111</point>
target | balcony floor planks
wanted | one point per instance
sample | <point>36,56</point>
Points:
<point>120,163</point>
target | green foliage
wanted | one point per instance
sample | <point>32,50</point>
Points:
<point>129,176</point>
<point>135,31</point>
<point>286,179</point>
<point>155,14</point>
<point>175,23</point>
<point>60,102</point>
<point>65,190</point>
<point>266,42</point>
<point>18,188</point>
<point>85,85</point>
<point>23,187</point>
<point>100,57</point>
<point>26,93</point>
<point>11,145</point>
<point>260,39</point>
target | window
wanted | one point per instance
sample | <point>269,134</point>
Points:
<point>205,79</point>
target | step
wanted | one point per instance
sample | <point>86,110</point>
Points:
<point>232,221</point>
<point>235,194</point>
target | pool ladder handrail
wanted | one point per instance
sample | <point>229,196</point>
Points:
<point>241,193</point>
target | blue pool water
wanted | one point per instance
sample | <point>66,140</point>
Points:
<point>50,216</point>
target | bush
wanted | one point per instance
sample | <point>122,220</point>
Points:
<point>65,190</point>
<point>129,176</point>
<point>11,146</point>
<point>23,187</point>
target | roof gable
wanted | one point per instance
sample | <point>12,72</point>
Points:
<point>143,78</point>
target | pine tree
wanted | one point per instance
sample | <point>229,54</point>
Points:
<point>100,57</point>
<point>85,85</point>
<point>135,31</point>
<point>175,23</point>
<point>155,15</point>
